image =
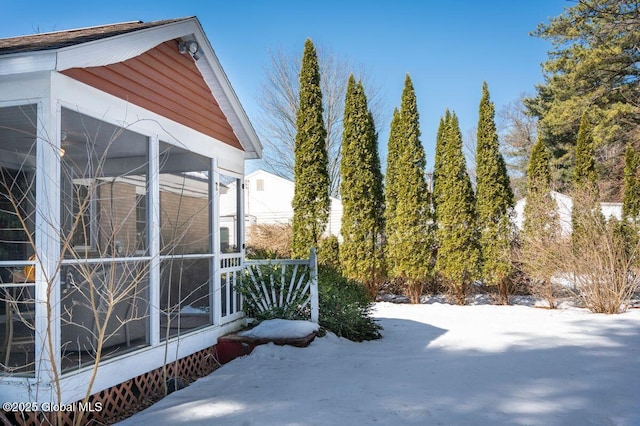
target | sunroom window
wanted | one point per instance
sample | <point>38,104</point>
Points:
<point>104,288</point>
<point>185,241</point>
<point>17,239</point>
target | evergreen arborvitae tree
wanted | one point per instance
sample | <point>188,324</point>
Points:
<point>585,182</point>
<point>311,197</point>
<point>391,180</point>
<point>458,253</point>
<point>541,226</point>
<point>437,163</point>
<point>540,212</point>
<point>361,254</point>
<point>631,200</point>
<point>494,200</point>
<point>408,244</point>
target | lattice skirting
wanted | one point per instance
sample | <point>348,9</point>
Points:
<point>123,400</point>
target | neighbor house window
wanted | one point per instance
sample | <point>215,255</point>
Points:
<point>83,210</point>
<point>141,222</point>
<point>230,220</point>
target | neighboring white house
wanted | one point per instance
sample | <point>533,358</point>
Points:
<point>268,200</point>
<point>565,206</point>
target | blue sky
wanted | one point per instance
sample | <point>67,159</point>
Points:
<point>448,47</point>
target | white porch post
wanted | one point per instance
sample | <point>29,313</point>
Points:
<point>47,239</point>
<point>153,228</point>
<point>215,238</point>
<point>315,304</point>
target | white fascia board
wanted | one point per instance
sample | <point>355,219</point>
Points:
<point>88,100</point>
<point>121,47</point>
<point>217,80</point>
<point>27,86</point>
<point>23,63</point>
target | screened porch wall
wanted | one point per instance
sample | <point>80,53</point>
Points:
<point>18,149</point>
<point>140,245</point>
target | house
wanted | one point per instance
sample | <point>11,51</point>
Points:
<point>268,200</point>
<point>116,143</point>
<point>565,206</point>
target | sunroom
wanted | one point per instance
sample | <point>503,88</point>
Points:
<point>116,143</point>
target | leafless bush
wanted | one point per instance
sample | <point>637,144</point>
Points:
<point>270,240</point>
<point>601,264</point>
<point>415,289</point>
<point>603,267</point>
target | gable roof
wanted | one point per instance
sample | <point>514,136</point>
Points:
<point>60,39</point>
<point>111,44</point>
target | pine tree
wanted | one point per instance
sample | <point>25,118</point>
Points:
<point>585,182</point>
<point>311,197</point>
<point>458,254</point>
<point>361,254</point>
<point>494,199</point>
<point>631,200</point>
<point>408,245</point>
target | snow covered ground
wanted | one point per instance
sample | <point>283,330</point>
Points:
<point>437,364</point>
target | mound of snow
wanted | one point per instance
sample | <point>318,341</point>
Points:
<point>281,329</point>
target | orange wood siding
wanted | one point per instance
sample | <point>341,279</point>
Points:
<point>166,82</point>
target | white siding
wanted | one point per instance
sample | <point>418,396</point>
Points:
<point>565,206</point>
<point>268,201</point>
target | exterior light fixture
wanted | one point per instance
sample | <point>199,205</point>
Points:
<point>192,47</point>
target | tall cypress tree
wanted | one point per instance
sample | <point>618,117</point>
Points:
<point>437,164</point>
<point>458,254</point>
<point>631,199</point>
<point>585,182</point>
<point>494,199</point>
<point>585,176</point>
<point>311,197</point>
<point>391,179</point>
<point>408,245</point>
<point>540,212</point>
<point>361,254</point>
<point>541,224</point>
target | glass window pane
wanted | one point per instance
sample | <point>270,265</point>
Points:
<point>17,237</point>
<point>17,181</point>
<point>104,188</point>
<point>104,303</point>
<point>185,201</point>
<point>184,296</point>
<point>185,229</point>
<point>230,230</point>
<point>104,309</point>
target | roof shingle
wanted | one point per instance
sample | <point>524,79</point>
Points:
<point>60,39</point>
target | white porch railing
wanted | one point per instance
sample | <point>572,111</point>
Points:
<point>283,285</point>
<point>231,267</point>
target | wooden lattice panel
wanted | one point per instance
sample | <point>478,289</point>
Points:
<point>125,399</point>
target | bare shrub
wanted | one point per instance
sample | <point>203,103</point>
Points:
<point>270,240</point>
<point>415,289</point>
<point>394,286</point>
<point>601,265</point>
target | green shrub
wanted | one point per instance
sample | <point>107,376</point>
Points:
<point>345,307</point>
<point>329,252</point>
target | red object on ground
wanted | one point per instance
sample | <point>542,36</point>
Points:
<point>232,346</point>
